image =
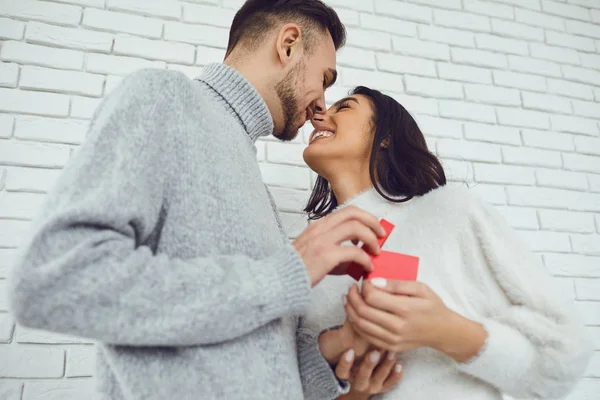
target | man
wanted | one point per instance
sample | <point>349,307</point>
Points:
<point>161,242</point>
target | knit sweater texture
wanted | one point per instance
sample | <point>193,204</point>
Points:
<point>536,347</point>
<point>162,243</point>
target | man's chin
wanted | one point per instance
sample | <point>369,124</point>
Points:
<point>287,135</point>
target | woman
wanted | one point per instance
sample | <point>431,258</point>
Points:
<point>482,319</point>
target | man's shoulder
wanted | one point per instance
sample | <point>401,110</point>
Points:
<point>156,82</point>
<point>162,93</point>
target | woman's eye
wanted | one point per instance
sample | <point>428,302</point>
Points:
<point>342,106</point>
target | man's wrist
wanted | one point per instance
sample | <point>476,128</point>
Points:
<point>354,396</point>
<point>332,344</point>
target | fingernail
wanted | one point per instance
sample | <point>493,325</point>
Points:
<point>349,355</point>
<point>374,356</point>
<point>398,368</point>
<point>344,299</point>
<point>391,355</point>
<point>379,282</point>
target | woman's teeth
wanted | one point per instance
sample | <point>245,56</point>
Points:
<point>322,134</point>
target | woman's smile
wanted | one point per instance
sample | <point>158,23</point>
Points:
<point>320,134</point>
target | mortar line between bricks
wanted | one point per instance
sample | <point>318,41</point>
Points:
<point>32,379</point>
<point>142,13</point>
<point>59,47</point>
<point>64,371</point>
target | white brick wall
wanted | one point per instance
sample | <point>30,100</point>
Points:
<point>507,92</point>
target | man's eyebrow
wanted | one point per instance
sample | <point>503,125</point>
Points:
<point>345,99</point>
<point>334,73</point>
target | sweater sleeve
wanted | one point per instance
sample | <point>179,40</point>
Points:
<point>535,347</point>
<point>90,267</point>
<point>318,377</point>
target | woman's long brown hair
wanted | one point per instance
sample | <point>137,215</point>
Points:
<point>405,168</point>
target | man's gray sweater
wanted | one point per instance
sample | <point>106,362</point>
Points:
<point>161,242</point>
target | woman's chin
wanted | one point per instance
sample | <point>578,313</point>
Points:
<point>315,157</point>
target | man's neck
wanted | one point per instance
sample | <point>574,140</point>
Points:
<point>259,78</point>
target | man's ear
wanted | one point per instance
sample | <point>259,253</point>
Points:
<point>289,43</point>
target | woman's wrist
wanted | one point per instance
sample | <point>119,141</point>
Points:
<point>461,338</point>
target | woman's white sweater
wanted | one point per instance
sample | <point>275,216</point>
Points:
<point>475,262</point>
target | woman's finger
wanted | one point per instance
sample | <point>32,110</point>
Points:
<point>393,378</point>
<point>383,371</point>
<point>397,304</point>
<point>343,370</point>
<point>368,330</point>
<point>406,288</point>
<point>378,343</point>
<point>362,379</point>
<point>389,321</point>
<point>351,313</point>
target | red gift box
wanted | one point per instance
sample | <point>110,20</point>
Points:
<point>388,264</point>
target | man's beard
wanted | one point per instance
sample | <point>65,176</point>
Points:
<point>286,92</point>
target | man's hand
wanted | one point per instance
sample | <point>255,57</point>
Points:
<point>371,376</point>
<point>320,245</point>
<point>335,342</point>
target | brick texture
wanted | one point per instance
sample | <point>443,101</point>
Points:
<point>507,93</point>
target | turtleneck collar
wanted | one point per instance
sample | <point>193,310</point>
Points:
<point>242,98</point>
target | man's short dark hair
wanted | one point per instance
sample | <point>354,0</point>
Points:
<point>256,18</point>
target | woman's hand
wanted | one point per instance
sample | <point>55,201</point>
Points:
<point>370,377</point>
<point>401,315</point>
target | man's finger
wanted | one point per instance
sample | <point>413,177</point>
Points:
<point>406,288</point>
<point>347,214</point>
<point>354,230</point>
<point>343,369</point>
<point>393,379</point>
<point>345,255</point>
<point>384,370</point>
<point>362,379</point>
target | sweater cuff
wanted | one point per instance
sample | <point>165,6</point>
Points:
<point>505,357</point>
<point>290,281</point>
<point>318,376</point>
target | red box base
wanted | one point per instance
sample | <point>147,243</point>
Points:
<point>387,264</point>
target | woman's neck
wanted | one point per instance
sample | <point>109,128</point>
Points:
<point>348,187</point>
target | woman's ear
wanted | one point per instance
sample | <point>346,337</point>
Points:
<point>288,43</point>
